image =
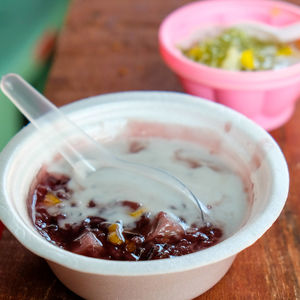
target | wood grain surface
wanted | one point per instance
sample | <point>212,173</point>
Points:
<point>109,46</point>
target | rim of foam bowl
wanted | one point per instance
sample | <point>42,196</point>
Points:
<point>217,77</point>
<point>242,239</point>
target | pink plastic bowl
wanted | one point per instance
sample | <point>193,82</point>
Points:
<point>267,97</point>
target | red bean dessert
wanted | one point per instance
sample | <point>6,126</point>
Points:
<point>152,236</point>
<point>103,218</point>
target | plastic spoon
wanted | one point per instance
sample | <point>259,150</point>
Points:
<point>44,115</point>
<point>264,31</point>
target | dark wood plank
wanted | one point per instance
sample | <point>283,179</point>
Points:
<point>27,276</point>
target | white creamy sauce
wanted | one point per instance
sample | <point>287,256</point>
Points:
<point>214,182</point>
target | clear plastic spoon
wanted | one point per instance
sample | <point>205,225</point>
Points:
<point>286,34</point>
<point>44,115</point>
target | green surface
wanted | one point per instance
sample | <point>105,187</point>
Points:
<point>22,25</point>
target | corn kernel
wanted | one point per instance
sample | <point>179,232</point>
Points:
<point>130,247</point>
<point>51,200</point>
<point>115,235</point>
<point>113,227</point>
<point>137,213</point>
<point>114,238</point>
<point>247,59</point>
<point>287,51</point>
<point>195,53</point>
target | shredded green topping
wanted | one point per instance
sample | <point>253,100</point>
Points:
<point>233,49</point>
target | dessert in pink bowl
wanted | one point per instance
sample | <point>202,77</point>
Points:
<point>267,97</point>
<point>211,146</point>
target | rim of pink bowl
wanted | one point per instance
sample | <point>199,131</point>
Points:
<point>224,78</point>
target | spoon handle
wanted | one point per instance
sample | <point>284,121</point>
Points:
<point>34,106</point>
<point>286,34</point>
<point>44,116</point>
<point>290,33</point>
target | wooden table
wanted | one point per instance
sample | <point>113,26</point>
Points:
<point>109,46</point>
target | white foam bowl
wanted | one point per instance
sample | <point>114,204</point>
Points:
<point>182,277</point>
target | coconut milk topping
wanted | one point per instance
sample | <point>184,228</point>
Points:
<point>211,179</point>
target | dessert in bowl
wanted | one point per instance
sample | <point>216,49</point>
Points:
<point>120,215</point>
<point>236,49</point>
<point>266,96</point>
<point>180,130</point>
